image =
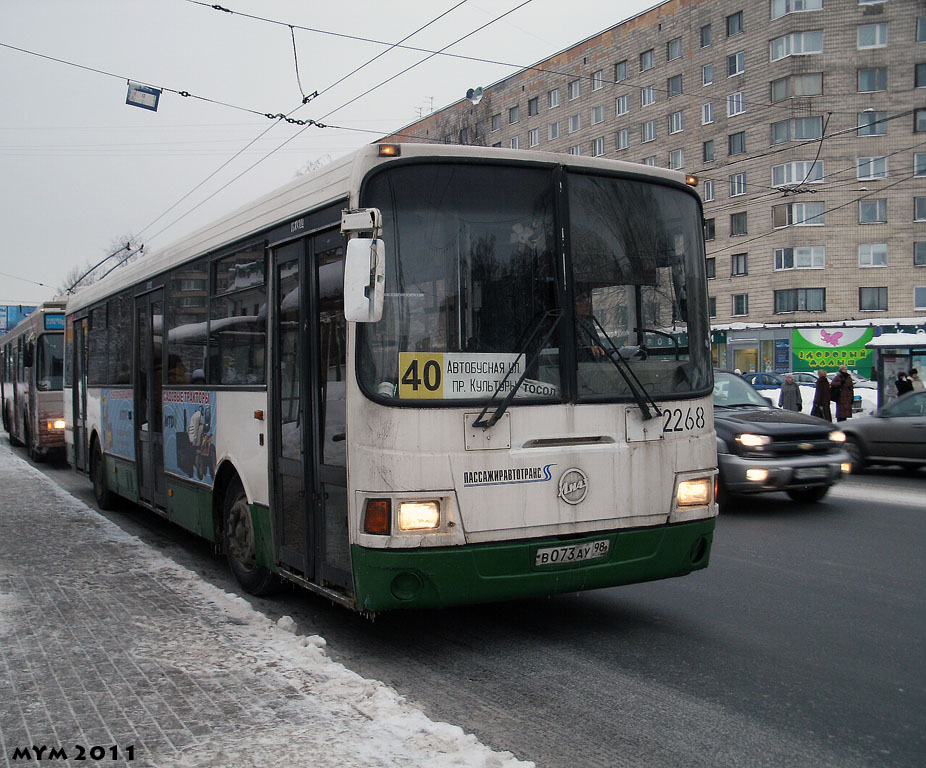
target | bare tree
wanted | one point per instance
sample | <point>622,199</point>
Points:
<point>121,250</point>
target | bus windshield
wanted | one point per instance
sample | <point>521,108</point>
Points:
<point>49,375</point>
<point>491,288</point>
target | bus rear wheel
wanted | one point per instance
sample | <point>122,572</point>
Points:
<point>240,549</point>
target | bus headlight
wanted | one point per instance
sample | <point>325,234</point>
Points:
<point>56,424</point>
<point>694,493</point>
<point>418,515</point>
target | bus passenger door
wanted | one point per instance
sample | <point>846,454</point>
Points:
<point>149,428</point>
<point>79,395</point>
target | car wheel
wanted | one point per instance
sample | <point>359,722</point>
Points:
<point>809,495</point>
<point>856,455</point>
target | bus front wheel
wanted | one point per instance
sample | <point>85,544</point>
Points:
<point>238,532</point>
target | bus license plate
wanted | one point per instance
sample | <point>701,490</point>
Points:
<point>590,550</point>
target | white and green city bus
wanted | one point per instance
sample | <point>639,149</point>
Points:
<point>420,376</point>
<point>31,380</point>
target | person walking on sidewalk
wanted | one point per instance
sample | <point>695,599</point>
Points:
<point>790,397</point>
<point>842,393</point>
<point>821,398</point>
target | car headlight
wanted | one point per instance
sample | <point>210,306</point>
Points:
<point>753,441</point>
<point>838,436</point>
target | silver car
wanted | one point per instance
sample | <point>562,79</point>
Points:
<point>894,434</point>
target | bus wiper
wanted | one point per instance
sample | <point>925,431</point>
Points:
<point>531,331</point>
<point>641,397</point>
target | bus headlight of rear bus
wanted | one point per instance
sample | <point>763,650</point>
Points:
<point>56,424</point>
<point>694,493</point>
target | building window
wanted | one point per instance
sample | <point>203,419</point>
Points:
<point>712,306</point>
<point>707,113</point>
<point>872,211</point>
<point>575,123</point>
<point>647,95</point>
<point>651,160</point>
<point>533,106</point>
<point>497,122</point>
<point>597,115</point>
<point>798,172</point>
<point>516,142</point>
<point>919,120</point>
<point>800,300</point>
<point>736,63</point>
<point>736,103</point>
<point>533,137</point>
<point>480,129</point>
<point>677,122</point>
<point>872,36</point>
<point>575,89</point>
<point>736,143</point>
<point>710,265</point>
<point>797,85</point>
<point>553,98</point>
<point>919,254</point>
<point>674,86</point>
<point>871,167</point>
<point>802,257</point>
<point>676,159</point>
<point>620,71</point>
<point>796,44</point>
<point>919,208</point>
<point>554,131</point>
<point>919,164</point>
<point>872,124</point>
<point>710,233</point>
<point>598,146</point>
<point>622,105</point>
<point>739,264</point>
<point>797,129</point>
<point>707,35</point>
<point>738,184</point>
<point>872,299</point>
<point>575,150</point>
<point>872,80</point>
<point>799,215</point>
<point>707,151</point>
<point>707,74</point>
<point>514,115</point>
<point>497,144</point>
<point>708,190</point>
<point>646,60</point>
<point>872,255</point>
<point>623,139</point>
<point>674,49</point>
<point>740,304</point>
<point>598,80</point>
<point>738,224</point>
<point>734,24</point>
<point>919,297</point>
<point>921,29</point>
<point>783,7</point>
<point>919,76</point>
<point>649,131</point>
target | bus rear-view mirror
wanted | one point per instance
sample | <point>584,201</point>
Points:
<point>364,280</point>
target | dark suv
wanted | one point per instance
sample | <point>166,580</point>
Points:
<point>761,448</point>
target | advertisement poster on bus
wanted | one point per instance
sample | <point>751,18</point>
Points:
<point>116,406</point>
<point>189,435</point>
<point>829,348</point>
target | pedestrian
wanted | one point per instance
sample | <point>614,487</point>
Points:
<point>914,377</point>
<point>821,398</point>
<point>737,371</point>
<point>904,384</point>
<point>842,393</point>
<point>790,396</point>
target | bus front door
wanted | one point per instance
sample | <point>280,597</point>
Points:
<point>149,372</point>
<point>309,406</point>
<point>79,394</point>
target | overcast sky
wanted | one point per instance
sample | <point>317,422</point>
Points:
<point>80,169</point>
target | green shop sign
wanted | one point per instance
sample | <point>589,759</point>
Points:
<point>829,348</point>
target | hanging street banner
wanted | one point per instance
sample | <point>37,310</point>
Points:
<point>829,348</point>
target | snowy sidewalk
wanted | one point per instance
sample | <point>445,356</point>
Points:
<point>107,649</point>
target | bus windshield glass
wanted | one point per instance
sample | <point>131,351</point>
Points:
<point>484,298</point>
<point>49,375</point>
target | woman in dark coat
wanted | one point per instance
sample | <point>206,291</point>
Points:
<point>843,393</point>
<point>821,398</point>
<point>904,384</point>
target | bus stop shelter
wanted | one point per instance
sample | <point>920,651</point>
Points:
<point>896,352</point>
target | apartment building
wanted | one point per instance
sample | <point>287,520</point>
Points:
<point>805,123</point>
